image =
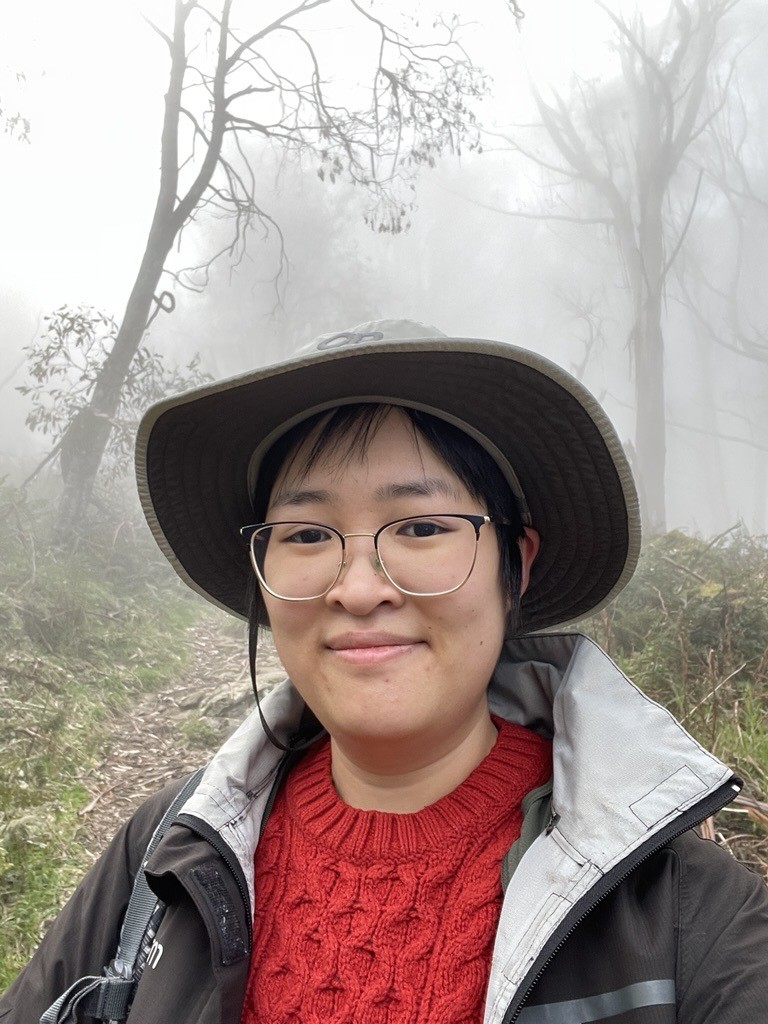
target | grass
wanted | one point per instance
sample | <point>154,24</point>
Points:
<point>199,733</point>
<point>79,636</point>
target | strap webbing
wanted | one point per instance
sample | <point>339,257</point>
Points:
<point>103,998</point>
<point>143,900</point>
<point>108,998</point>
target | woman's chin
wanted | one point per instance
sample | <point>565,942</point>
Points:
<point>393,729</point>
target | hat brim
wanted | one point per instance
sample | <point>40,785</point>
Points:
<point>193,455</point>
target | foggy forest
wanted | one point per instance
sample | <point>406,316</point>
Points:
<point>191,192</point>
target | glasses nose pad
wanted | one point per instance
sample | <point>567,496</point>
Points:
<point>346,561</point>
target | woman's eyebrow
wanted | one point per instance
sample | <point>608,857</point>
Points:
<point>424,487</point>
<point>300,496</point>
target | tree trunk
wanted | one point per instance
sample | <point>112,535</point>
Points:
<point>86,440</point>
<point>713,462</point>
<point>236,65</point>
<point>759,520</point>
<point>650,431</point>
<point>87,437</point>
<point>643,252</point>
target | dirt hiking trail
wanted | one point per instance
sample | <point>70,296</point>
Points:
<point>173,731</point>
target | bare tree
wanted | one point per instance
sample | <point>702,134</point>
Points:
<point>273,81</point>
<point>621,145</point>
<point>720,294</point>
<point>722,287</point>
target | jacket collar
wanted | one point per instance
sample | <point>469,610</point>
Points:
<point>622,765</point>
<point>623,770</point>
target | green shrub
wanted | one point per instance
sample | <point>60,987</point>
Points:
<point>199,732</point>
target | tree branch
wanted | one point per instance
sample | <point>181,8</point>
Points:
<point>525,214</point>
<point>155,28</point>
<point>278,23</point>
<point>684,231</point>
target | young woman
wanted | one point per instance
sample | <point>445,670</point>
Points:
<point>441,815</point>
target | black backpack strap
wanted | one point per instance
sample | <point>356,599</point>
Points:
<point>108,998</point>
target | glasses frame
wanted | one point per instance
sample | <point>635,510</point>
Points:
<point>477,521</point>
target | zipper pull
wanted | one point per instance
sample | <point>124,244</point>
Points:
<point>552,824</point>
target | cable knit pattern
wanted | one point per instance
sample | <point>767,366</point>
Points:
<point>365,917</point>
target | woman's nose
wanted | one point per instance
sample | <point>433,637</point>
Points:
<point>363,584</point>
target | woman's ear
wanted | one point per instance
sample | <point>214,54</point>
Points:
<point>529,548</point>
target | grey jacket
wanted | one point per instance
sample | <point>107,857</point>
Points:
<point>612,909</point>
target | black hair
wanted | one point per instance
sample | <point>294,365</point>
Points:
<point>347,432</point>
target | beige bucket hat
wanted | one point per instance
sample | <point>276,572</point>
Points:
<point>198,455</point>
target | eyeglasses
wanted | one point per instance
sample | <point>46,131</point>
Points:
<point>423,556</point>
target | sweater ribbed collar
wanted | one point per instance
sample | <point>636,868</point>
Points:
<point>519,761</point>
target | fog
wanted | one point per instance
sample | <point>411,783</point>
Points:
<point>506,241</point>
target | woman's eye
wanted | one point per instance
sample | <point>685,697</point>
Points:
<point>307,535</point>
<point>421,528</point>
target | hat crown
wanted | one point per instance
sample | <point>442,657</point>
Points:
<point>372,331</point>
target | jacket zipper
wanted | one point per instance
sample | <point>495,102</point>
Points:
<point>288,761</point>
<point>212,838</point>
<point>722,796</point>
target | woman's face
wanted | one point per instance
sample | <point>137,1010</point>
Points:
<point>371,662</point>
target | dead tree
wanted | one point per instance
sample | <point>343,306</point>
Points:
<point>271,82</point>
<point>620,145</point>
<point>722,287</point>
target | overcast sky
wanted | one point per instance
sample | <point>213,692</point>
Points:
<point>76,200</point>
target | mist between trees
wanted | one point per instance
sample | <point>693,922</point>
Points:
<point>615,221</point>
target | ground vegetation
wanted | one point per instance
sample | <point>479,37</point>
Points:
<point>81,637</point>
<point>113,681</point>
<point>690,629</point>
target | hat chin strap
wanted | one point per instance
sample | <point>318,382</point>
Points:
<point>297,742</point>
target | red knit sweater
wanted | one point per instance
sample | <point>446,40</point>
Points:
<point>366,917</point>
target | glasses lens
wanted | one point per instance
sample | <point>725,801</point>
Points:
<point>297,560</point>
<point>428,554</point>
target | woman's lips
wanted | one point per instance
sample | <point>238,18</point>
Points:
<point>371,648</point>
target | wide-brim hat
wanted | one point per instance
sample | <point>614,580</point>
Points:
<point>198,455</point>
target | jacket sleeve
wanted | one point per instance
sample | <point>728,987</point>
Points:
<point>83,938</point>
<point>723,938</point>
